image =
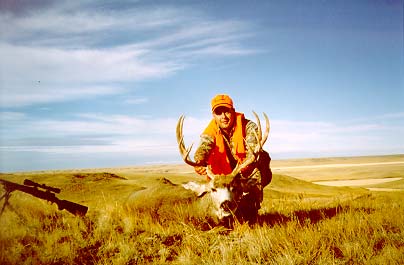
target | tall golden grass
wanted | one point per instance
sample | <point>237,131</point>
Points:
<point>299,223</point>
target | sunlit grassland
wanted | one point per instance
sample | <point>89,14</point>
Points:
<point>312,170</point>
<point>300,223</point>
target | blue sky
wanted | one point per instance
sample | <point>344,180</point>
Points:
<point>102,83</point>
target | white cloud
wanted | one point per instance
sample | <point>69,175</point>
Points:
<point>334,138</point>
<point>122,138</point>
<point>73,20</point>
<point>146,148</point>
<point>115,124</point>
<point>196,35</point>
<point>87,50</point>
<point>111,129</point>
<point>118,133</point>
<point>48,74</point>
<point>126,133</point>
<point>84,65</point>
<point>23,96</point>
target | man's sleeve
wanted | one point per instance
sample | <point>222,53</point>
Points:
<point>250,138</point>
<point>251,142</point>
<point>204,149</point>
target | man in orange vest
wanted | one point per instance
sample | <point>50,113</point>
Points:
<point>223,146</point>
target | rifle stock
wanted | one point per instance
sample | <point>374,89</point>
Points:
<point>46,194</point>
<point>72,207</point>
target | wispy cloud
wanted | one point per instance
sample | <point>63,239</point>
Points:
<point>122,133</point>
<point>74,57</point>
<point>44,75</point>
<point>327,138</point>
<point>78,20</point>
<point>126,140</point>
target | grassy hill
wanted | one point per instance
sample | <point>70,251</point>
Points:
<point>91,187</point>
<point>300,222</point>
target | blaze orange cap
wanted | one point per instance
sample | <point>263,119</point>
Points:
<point>222,100</point>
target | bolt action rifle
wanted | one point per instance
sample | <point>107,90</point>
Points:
<point>41,191</point>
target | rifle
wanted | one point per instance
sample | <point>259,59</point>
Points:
<point>44,192</point>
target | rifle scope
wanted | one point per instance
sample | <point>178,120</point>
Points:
<point>28,182</point>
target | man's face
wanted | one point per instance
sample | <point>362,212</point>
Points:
<point>224,117</point>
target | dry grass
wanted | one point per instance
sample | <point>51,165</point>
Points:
<point>300,223</point>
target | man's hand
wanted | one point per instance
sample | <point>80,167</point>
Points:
<point>246,172</point>
<point>200,170</point>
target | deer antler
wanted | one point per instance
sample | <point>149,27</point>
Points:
<point>183,150</point>
<point>262,140</point>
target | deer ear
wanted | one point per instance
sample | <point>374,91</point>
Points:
<point>199,189</point>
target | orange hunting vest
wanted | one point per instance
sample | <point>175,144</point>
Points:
<point>218,160</point>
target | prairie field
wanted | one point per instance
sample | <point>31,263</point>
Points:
<point>138,215</point>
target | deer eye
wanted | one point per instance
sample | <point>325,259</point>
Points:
<point>213,189</point>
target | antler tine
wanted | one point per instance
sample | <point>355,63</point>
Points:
<point>210,174</point>
<point>181,145</point>
<point>262,138</point>
<point>267,128</point>
<point>259,126</point>
<point>180,138</point>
